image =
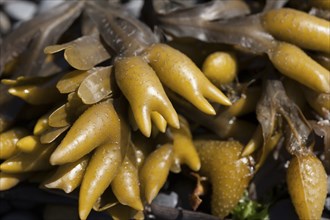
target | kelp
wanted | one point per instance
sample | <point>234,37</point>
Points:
<point>35,90</point>
<point>131,103</point>
<point>220,68</point>
<point>229,176</point>
<point>274,102</point>
<point>213,10</point>
<point>52,134</point>
<point>8,141</point>
<point>35,35</point>
<point>9,180</point>
<point>246,32</point>
<point>261,34</point>
<point>227,122</point>
<point>70,81</point>
<point>124,34</point>
<point>307,184</point>
<point>75,52</point>
<point>96,86</point>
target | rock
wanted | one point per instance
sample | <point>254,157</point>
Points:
<point>20,10</point>
<point>166,199</point>
<point>134,6</point>
<point>327,204</point>
<point>4,23</point>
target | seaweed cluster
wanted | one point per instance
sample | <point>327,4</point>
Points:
<point>92,100</point>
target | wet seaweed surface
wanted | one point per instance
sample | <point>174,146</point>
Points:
<point>167,109</point>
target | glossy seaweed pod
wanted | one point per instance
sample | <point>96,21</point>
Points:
<point>8,141</point>
<point>320,102</point>
<point>36,160</point>
<point>142,88</point>
<point>105,162</point>
<point>9,180</point>
<point>126,184</point>
<point>35,90</point>
<point>229,174</point>
<point>29,143</point>
<point>155,170</point>
<point>307,185</point>
<point>41,125</point>
<point>293,62</point>
<point>300,28</point>
<point>92,129</point>
<point>102,168</point>
<point>176,71</point>
<point>220,68</point>
<point>68,176</point>
<point>225,124</point>
<point>184,151</point>
<point>259,33</point>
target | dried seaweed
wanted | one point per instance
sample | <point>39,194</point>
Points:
<point>245,32</point>
<point>83,53</point>
<point>71,81</point>
<point>35,35</point>
<point>52,134</point>
<point>274,102</point>
<point>210,11</point>
<point>123,33</point>
<point>97,85</point>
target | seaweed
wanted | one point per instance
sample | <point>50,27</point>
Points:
<point>113,112</point>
